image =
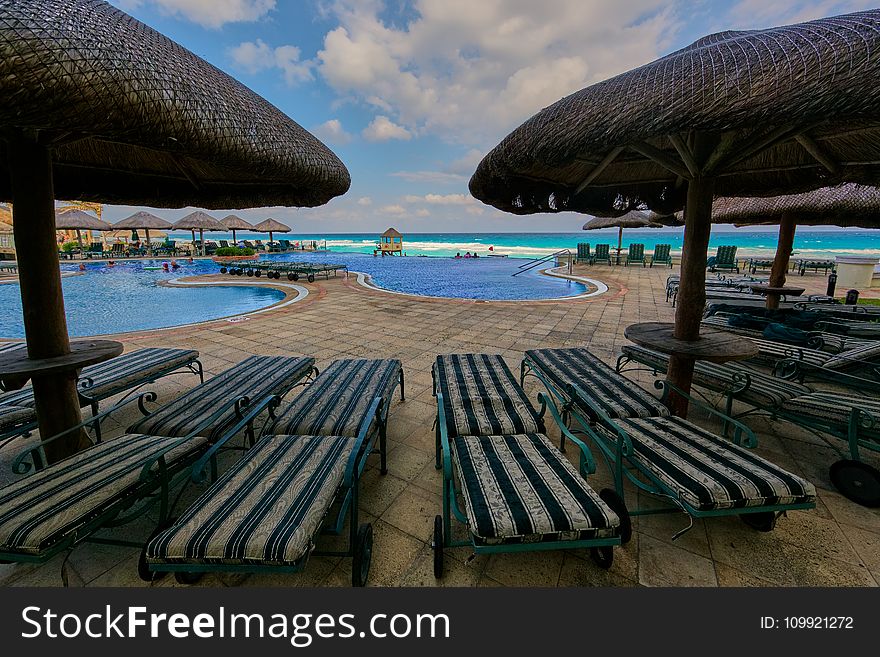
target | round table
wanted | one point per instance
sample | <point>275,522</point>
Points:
<point>713,345</point>
<point>16,368</point>
<point>763,288</point>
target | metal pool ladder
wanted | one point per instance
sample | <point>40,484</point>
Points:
<point>537,262</point>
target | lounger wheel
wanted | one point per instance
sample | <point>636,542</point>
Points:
<point>295,276</point>
<point>292,277</point>
<point>438,547</point>
<point>183,577</point>
<point>311,278</point>
<point>857,481</point>
<point>249,272</point>
<point>603,556</point>
<point>223,270</point>
<point>363,555</point>
<point>277,275</point>
<point>612,499</point>
<point>765,521</point>
<point>258,273</point>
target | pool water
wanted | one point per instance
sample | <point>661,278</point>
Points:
<point>128,296</point>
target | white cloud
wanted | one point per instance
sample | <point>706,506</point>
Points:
<point>441,199</point>
<point>440,177</point>
<point>396,209</point>
<point>208,13</point>
<point>332,131</point>
<point>256,56</point>
<point>467,163</point>
<point>474,209</point>
<point>365,200</point>
<point>751,14</point>
<point>382,129</point>
<point>423,212</point>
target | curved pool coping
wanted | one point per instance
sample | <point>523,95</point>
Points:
<point>365,280</point>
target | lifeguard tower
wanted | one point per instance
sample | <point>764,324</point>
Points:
<point>391,243</point>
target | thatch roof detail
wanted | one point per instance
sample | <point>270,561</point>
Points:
<point>787,109</point>
<point>143,220</point>
<point>271,225</point>
<point>392,232</point>
<point>79,220</point>
<point>197,220</point>
<point>633,219</point>
<point>134,118</point>
<point>234,222</point>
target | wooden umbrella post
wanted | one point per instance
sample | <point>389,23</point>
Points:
<point>149,244</point>
<point>201,242</point>
<point>787,227</point>
<point>55,397</point>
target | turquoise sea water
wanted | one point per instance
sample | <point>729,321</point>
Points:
<point>808,243</point>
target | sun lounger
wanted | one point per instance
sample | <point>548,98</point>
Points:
<point>122,374</point>
<point>818,340</point>
<point>636,254</point>
<point>583,253</point>
<point>662,255</point>
<point>501,476</point>
<point>602,254</point>
<point>725,259</point>
<point>702,474</point>
<point>313,454</point>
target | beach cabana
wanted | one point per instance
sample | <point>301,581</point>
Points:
<point>78,221</point>
<point>87,116</point>
<point>271,226</point>
<point>391,242</point>
<point>748,113</point>
<point>233,222</point>
<point>146,221</point>
<point>632,219</point>
<point>198,221</point>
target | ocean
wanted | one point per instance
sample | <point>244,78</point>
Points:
<point>808,243</point>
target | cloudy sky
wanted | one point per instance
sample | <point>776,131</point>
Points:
<point>411,94</point>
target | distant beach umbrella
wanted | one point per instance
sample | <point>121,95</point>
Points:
<point>632,219</point>
<point>78,220</point>
<point>271,226</point>
<point>749,113</point>
<point>145,221</point>
<point>234,222</point>
<point>99,107</point>
<point>198,221</point>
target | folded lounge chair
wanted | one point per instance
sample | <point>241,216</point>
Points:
<point>636,253</point>
<point>313,454</point>
<point>662,255</point>
<point>501,476</point>
<point>702,474</point>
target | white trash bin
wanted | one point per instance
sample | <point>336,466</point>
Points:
<point>855,272</point>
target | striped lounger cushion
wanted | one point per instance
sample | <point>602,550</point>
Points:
<point>337,401</point>
<point>615,394</point>
<point>117,374</point>
<point>764,391</point>
<point>256,377</point>
<point>831,407</point>
<point>481,397</point>
<point>520,489</point>
<point>16,416</point>
<point>40,510</point>
<point>769,350</point>
<point>708,472</point>
<point>265,510</point>
<point>868,353</point>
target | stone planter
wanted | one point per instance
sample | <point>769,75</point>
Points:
<point>226,259</point>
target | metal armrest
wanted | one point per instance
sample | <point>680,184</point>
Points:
<point>624,443</point>
<point>587,462</point>
<point>374,412</point>
<point>444,438</point>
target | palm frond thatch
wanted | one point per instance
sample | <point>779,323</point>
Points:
<point>234,222</point>
<point>633,219</point>
<point>271,226</point>
<point>79,220</point>
<point>143,220</point>
<point>197,220</point>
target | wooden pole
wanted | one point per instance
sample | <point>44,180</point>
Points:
<point>202,241</point>
<point>80,240</point>
<point>149,244</point>
<point>55,397</point>
<point>784,247</point>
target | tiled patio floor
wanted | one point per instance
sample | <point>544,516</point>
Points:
<point>838,544</point>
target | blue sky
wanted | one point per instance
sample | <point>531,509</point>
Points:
<point>411,94</point>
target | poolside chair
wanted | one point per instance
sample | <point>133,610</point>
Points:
<point>118,250</point>
<point>95,250</point>
<point>224,244</point>
<point>816,265</point>
<point>818,340</point>
<point>583,252</point>
<point>258,244</point>
<point>249,245</point>
<point>602,254</point>
<point>123,374</point>
<point>700,473</point>
<point>725,259</point>
<point>313,453</point>
<point>662,255</point>
<point>501,476</point>
<point>285,245</point>
<point>636,253</point>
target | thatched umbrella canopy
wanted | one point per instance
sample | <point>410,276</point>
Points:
<point>78,220</point>
<point>147,222</point>
<point>234,222</point>
<point>632,219</point>
<point>752,113</point>
<point>271,226</point>
<point>99,107</point>
<point>392,232</point>
<point>198,221</point>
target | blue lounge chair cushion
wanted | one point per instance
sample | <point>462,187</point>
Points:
<point>481,397</point>
<point>336,403</point>
<point>708,472</point>
<point>49,506</point>
<point>265,510</point>
<point>520,489</point>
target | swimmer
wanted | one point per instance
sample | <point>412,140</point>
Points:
<point>111,263</point>
<point>458,255</point>
<point>174,264</point>
<point>191,259</point>
<point>165,266</point>
<point>82,267</point>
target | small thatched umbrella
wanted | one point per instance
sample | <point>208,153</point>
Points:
<point>233,222</point>
<point>198,221</point>
<point>632,219</point>
<point>271,226</point>
<point>78,220</point>
<point>99,107</point>
<point>147,222</point>
<point>753,113</point>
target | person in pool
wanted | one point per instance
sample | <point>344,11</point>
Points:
<point>458,255</point>
<point>467,254</point>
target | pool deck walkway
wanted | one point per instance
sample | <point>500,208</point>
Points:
<point>837,544</point>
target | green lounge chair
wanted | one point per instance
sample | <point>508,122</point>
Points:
<point>662,255</point>
<point>313,453</point>
<point>725,259</point>
<point>602,254</point>
<point>95,250</point>
<point>700,473</point>
<point>583,252</point>
<point>636,253</point>
<point>490,436</point>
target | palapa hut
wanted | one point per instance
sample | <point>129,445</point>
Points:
<point>391,242</point>
<point>233,222</point>
<point>171,131</point>
<point>78,221</point>
<point>271,226</point>
<point>752,113</point>
<point>198,221</point>
<point>144,221</point>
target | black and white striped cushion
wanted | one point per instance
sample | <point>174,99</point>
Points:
<point>773,351</point>
<point>265,510</point>
<point>831,407</point>
<point>520,489</point>
<point>40,510</point>
<point>256,377</point>
<point>117,374</point>
<point>615,394</point>
<point>831,342</point>
<point>336,403</point>
<point>481,397</point>
<point>868,353</point>
<point>16,416</point>
<point>707,472</point>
